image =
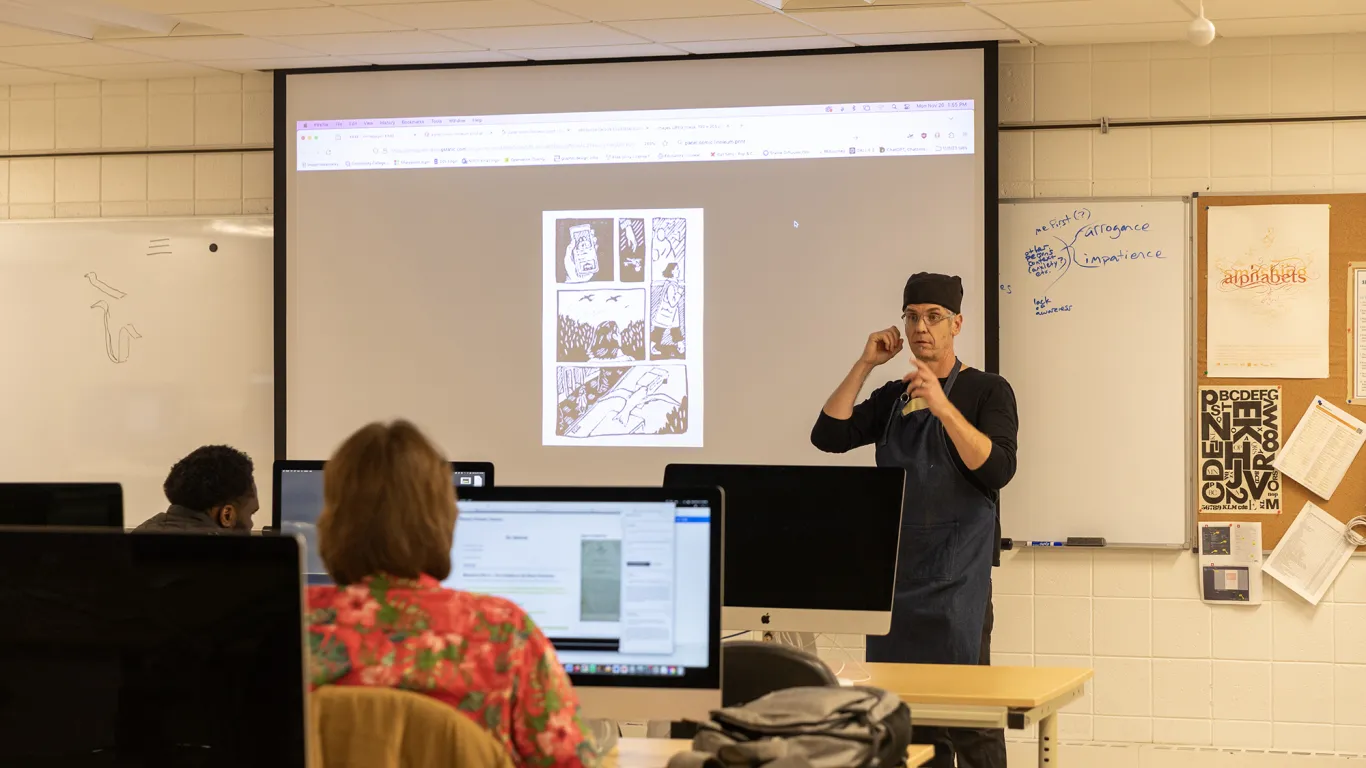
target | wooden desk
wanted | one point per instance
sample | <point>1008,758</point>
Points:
<point>655,753</point>
<point>959,696</point>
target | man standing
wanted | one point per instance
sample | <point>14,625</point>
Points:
<point>953,430</point>
<point>212,490</point>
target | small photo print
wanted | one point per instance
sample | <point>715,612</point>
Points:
<point>601,325</point>
<point>599,401</point>
<point>631,250</point>
<point>584,248</point>
<point>668,319</point>
<point>669,247</point>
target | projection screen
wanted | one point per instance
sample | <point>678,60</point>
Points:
<point>583,272</point>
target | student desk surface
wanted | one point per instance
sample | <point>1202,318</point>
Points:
<point>985,697</point>
<point>655,753</point>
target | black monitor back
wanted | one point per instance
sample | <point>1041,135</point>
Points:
<point>95,505</point>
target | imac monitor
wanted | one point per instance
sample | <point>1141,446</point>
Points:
<point>168,650</point>
<point>298,501</point>
<point>626,582</point>
<point>808,549</point>
<point>80,505</point>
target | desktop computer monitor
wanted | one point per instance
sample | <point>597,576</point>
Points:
<point>626,582</point>
<point>808,549</point>
<point>81,505</point>
<point>298,501</point>
<point>126,650</point>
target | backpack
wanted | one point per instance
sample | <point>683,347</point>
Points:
<point>820,727</point>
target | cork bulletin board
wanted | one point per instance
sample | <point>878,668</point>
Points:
<point>1347,244</point>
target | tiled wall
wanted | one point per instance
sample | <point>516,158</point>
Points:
<point>1170,670</point>
<point>209,112</point>
<point>1233,78</point>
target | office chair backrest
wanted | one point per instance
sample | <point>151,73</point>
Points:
<point>758,669</point>
<point>361,727</point>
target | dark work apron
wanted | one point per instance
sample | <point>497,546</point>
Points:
<point>943,571</point>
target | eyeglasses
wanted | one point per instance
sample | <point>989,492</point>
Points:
<point>912,319</point>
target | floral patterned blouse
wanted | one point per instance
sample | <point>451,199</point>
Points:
<point>482,655</point>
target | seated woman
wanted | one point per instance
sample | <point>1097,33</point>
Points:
<point>385,536</point>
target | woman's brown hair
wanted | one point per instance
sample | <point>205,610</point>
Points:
<point>388,506</point>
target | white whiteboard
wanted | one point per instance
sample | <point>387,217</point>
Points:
<point>186,360</point>
<point>1096,314</point>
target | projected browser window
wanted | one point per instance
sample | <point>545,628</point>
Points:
<point>802,132</point>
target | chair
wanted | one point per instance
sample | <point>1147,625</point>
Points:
<point>751,670</point>
<point>361,727</point>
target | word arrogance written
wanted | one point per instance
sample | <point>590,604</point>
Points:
<point>1239,437</point>
<point>1075,240</point>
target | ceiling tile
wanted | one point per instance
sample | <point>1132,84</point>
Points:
<point>294,62</point>
<point>183,29</point>
<point>25,76</point>
<point>1305,25</point>
<point>210,6</point>
<point>1078,13</point>
<point>764,44</point>
<point>469,13</point>
<point>66,55</point>
<point>919,38</point>
<point>152,71</point>
<point>467,57</point>
<point>300,21</point>
<point>1268,9</point>
<point>637,10</point>
<point>598,52</point>
<point>374,43</point>
<point>549,36</point>
<point>1110,33</point>
<point>874,20</point>
<point>210,48</point>
<point>10,35</point>
<point>717,28</point>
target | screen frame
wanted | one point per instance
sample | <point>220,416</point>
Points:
<point>176,546</point>
<point>313,465</point>
<point>113,490</point>
<point>990,148</point>
<point>708,678</point>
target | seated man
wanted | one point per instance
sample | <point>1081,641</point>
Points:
<point>211,491</point>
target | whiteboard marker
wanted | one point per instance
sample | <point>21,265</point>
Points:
<point>1046,544</point>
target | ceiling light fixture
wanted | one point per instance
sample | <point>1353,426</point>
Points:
<point>1201,29</point>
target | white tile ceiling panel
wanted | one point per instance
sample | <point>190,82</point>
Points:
<point>210,48</point>
<point>718,28</point>
<point>764,44</point>
<point>65,55</point>
<point>1311,25</point>
<point>300,21</point>
<point>806,5</point>
<point>873,20</point>
<point>152,71</point>
<point>173,7</point>
<point>297,62</point>
<point>468,13</point>
<point>1270,9</point>
<point>469,57</point>
<point>1113,33</point>
<point>1079,13</point>
<point>639,10</point>
<point>11,35</point>
<point>916,38</point>
<point>548,36</point>
<point>598,52</point>
<point>374,43</point>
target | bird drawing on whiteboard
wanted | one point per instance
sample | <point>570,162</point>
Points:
<point>103,287</point>
<point>117,351</point>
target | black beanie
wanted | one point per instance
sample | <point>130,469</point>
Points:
<point>932,288</point>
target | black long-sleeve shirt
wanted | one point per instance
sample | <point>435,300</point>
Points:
<point>985,400</point>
